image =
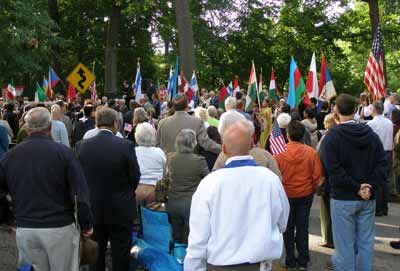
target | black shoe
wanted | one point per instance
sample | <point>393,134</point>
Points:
<point>379,213</point>
<point>395,244</point>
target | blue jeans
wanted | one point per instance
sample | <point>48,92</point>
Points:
<point>353,225</point>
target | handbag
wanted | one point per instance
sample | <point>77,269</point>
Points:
<point>88,249</point>
<point>161,190</point>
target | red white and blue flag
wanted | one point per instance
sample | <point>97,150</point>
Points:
<point>374,77</point>
<point>276,140</point>
<point>326,87</point>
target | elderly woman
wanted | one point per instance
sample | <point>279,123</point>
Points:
<point>152,161</point>
<point>59,132</point>
<point>139,116</point>
<point>311,125</point>
<point>185,171</point>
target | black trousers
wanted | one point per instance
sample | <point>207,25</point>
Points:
<point>120,237</point>
<point>178,214</point>
<point>296,234</point>
<point>382,191</point>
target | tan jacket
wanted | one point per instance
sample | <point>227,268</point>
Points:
<point>169,128</point>
<point>262,157</point>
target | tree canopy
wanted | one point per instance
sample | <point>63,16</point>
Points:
<point>227,36</point>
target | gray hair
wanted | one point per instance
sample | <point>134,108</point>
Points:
<point>186,141</point>
<point>283,120</point>
<point>105,117</point>
<point>37,119</point>
<point>212,111</point>
<point>145,135</point>
<point>230,103</point>
<point>229,119</point>
<point>139,115</point>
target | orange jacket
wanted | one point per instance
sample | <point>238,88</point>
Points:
<point>301,169</point>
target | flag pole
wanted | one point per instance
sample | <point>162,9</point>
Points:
<point>257,89</point>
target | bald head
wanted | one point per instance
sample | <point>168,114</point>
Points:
<point>237,139</point>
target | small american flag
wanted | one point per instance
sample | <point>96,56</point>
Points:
<point>374,77</point>
<point>276,140</point>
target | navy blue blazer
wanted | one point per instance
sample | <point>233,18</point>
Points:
<point>112,172</point>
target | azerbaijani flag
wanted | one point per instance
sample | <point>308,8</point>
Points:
<point>251,89</point>
<point>326,87</point>
<point>45,87</point>
<point>296,85</point>
<point>272,92</point>
<point>40,95</point>
<point>312,82</point>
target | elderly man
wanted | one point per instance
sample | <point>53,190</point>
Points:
<point>383,127</point>
<point>112,172</point>
<point>230,108</point>
<point>170,127</point>
<point>213,116</point>
<point>238,213</point>
<point>262,157</point>
<point>45,180</point>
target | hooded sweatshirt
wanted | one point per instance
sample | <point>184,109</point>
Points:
<point>301,169</point>
<point>352,154</point>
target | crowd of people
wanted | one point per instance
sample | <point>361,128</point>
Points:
<point>80,170</point>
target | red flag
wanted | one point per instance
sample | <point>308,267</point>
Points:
<point>71,93</point>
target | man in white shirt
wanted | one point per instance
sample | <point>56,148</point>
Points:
<point>383,127</point>
<point>238,213</point>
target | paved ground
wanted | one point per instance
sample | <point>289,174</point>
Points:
<point>386,258</point>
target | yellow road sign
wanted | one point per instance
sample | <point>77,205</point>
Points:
<point>81,78</point>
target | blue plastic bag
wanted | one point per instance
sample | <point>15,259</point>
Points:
<point>156,229</point>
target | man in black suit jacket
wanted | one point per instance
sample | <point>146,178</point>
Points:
<point>112,173</point>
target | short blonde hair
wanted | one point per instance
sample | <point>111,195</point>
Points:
<point>201,113</point>
<point>329,121</point>
<point>230,103</point>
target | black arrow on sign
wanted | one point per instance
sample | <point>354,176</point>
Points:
<point>83,78</point>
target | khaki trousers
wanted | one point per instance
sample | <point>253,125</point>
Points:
<point>49,249</point>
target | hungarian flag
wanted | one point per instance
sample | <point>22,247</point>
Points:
<point>312,82</point>
<point>272,92</point>
<point>11,93</point>
<point>71,93</point>
<point>296,85</point>
<point>223,94</point>
<point>40,96</point>
<point>251,89</point>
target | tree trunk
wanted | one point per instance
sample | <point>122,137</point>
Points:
<point>185,35</point>
<point>110,86</point>
<point>373,14</point>
<point>55,59</point>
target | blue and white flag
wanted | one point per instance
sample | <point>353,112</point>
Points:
<point>173,83</point>
<point>137,87</point>
<point>230,89</point>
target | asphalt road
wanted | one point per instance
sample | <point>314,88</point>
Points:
<point>386,258</point>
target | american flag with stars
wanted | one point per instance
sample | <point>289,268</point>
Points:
<point>276,140</point>
<point>374,77</point>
